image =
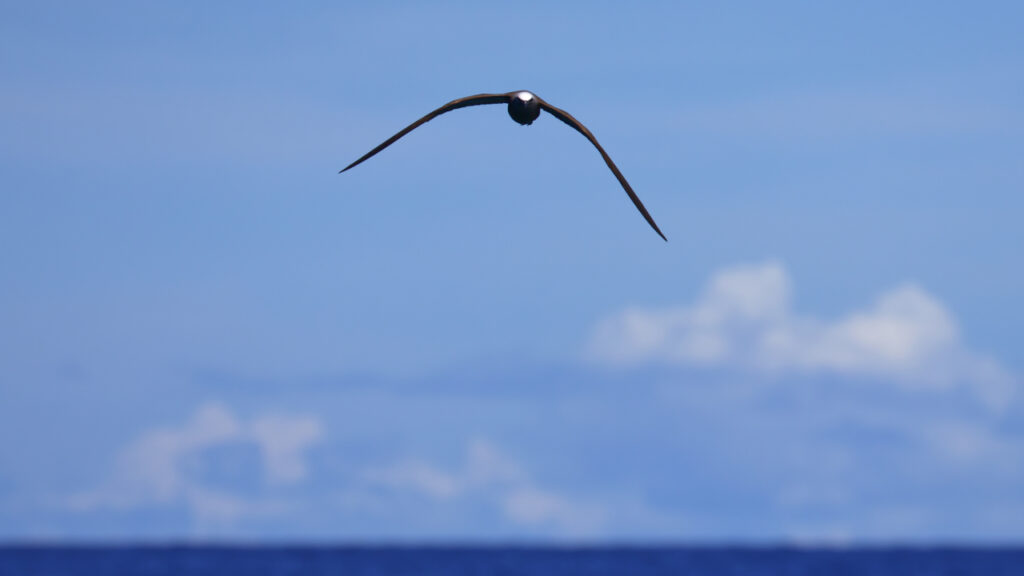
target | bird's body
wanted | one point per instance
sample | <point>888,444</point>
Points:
<point>524,107</point>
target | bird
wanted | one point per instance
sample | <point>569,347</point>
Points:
<point>524,107</point>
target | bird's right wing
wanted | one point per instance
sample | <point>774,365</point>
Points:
<point>453,105</point>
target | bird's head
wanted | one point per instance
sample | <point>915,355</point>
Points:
<point>524,107</point>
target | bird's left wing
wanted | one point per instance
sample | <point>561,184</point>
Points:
<point>579,127</point>
<point>453,105</point>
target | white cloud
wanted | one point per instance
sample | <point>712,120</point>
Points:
<point>744,318</point>
<point>283,441</point>
<point>493,476</point>
<point>972,444</point>
<point>158,467</point>
<point>418,477</point>
<point>153,466</point>
<point>532,506</point>
<point>485,464</point>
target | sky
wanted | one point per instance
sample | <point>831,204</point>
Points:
<point>207,333</point>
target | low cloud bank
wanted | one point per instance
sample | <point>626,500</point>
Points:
<point>745,318</point>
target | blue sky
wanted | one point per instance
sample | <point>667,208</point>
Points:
<point>206,332</point>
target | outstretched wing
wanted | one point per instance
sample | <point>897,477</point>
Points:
<point>568,119</point>
<point>454,104</point>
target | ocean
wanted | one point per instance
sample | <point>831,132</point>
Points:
<point>498,560</point>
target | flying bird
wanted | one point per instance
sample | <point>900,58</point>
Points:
<point>524,107</point>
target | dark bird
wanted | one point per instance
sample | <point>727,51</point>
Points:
<point>524,107</point>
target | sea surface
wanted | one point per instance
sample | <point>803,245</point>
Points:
<point>527,561</point>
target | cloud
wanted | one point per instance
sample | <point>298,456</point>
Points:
<point>744,318</point>
<point>418,477</point>
<point>972,444</point>
<point>283,441</point>
<point>165,466</point>
<point>532,506</point>
<point>489,474</point>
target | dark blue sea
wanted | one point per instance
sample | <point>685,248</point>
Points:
<point>527,561</point>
